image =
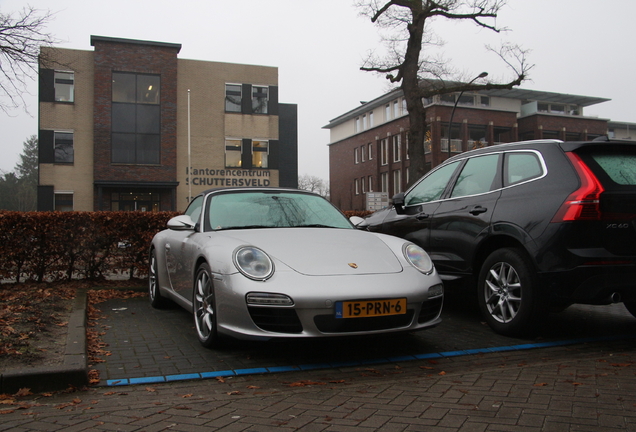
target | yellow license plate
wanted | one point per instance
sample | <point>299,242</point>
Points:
<point>370,308</point>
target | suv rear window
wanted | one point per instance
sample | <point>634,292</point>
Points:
<point>620,167</point>
<point>521,167</point>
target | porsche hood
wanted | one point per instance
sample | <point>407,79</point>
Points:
<point>322,251</point>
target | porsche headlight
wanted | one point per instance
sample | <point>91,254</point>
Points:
<point>418,257</point>
<point>253,263</point>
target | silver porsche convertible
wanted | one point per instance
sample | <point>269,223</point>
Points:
<point>258,263</point>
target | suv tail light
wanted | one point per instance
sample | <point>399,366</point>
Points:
<point>583,203</point>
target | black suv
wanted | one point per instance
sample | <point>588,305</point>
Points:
<point>535,226</point>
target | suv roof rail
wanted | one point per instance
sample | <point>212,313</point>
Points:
<point>601,138</point>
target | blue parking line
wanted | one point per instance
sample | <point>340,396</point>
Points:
<point>183,377</point>
<point>358,363</point>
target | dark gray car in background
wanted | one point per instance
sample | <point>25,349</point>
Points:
<point>533,226</point>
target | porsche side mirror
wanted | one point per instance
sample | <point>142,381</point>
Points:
<point>398,203</point>
<point>181,223</point>
<point>356,220</point>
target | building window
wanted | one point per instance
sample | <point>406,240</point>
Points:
<point>63,201</point>
<point>396,109</point>
<point>370,183</point>
<point>64,86</point>
<point>387,112</point>
<point>404,108</point>
<point>447,98</point>
<point>484,101</point>
<point>371,119</point>
<point>356,184</point>
<point>233,97</point>
<point>365,126</point>
<point>356,158</point>
<point>363,153</point>
<point>397,182</point>
<point>396,148</point>
<point>362,183</point>
<point>384,182</point>
<point>260,98</point>
<point>384,152</point>
<point>357,126</point>
<point>466,100</point>
<point>260,151</point>
<point>370,151</point>
<point>63,142</point>
<point>558,108</point>
<point>233,153</point>
<point>136,119</point>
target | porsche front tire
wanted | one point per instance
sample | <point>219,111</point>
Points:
<point>204,308</point>
<point>154,292</point>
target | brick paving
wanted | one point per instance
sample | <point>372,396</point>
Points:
<point>577,386</point>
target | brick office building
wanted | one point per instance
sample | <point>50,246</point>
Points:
<point>119,124</point>
<point>368,150</point>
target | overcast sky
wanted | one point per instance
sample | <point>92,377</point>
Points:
<point>580,47</point>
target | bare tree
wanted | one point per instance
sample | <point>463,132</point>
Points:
<point>21,36</point>
<point>421,75</point>
<point>313,184</point>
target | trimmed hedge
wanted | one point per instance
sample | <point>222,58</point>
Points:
<point>45,246</point>
<point>49,246</point>
<point>360,213</point>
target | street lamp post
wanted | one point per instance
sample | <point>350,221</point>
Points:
<point>450,122</point>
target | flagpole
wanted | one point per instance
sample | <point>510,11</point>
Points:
<point>188,173</point>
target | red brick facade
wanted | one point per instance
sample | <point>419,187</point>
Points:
<point>113,55</point>
<point>500,126</point>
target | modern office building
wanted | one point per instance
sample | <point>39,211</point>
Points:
<point>368,150</point>
<point>130,126</point>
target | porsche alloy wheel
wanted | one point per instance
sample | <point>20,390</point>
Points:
<point>156,300</point>
<point>204,307</point>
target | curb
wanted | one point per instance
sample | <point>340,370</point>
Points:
<point>72,372</point>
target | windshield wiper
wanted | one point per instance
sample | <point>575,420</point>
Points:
<point>243,227</point>
<point>313,226</point>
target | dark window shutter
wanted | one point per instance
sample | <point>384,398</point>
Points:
<point>46,198</point>
<point>274,155</point>
<point>47,85</point>
<point>246,101</point>
<point>246,158</point>
<point>272,107</point>
<point>46,146</point>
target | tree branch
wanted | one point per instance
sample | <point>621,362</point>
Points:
<point>20,40</point>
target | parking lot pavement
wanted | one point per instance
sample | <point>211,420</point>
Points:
<point>150,346</point>
<point>580,387</point>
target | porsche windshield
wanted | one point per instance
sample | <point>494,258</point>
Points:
<point>245,210</point>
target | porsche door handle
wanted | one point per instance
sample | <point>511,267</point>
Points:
<point>478,210</point>
<point>421,216</point>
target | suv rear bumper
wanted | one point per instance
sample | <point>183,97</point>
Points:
<point>592,284</point>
